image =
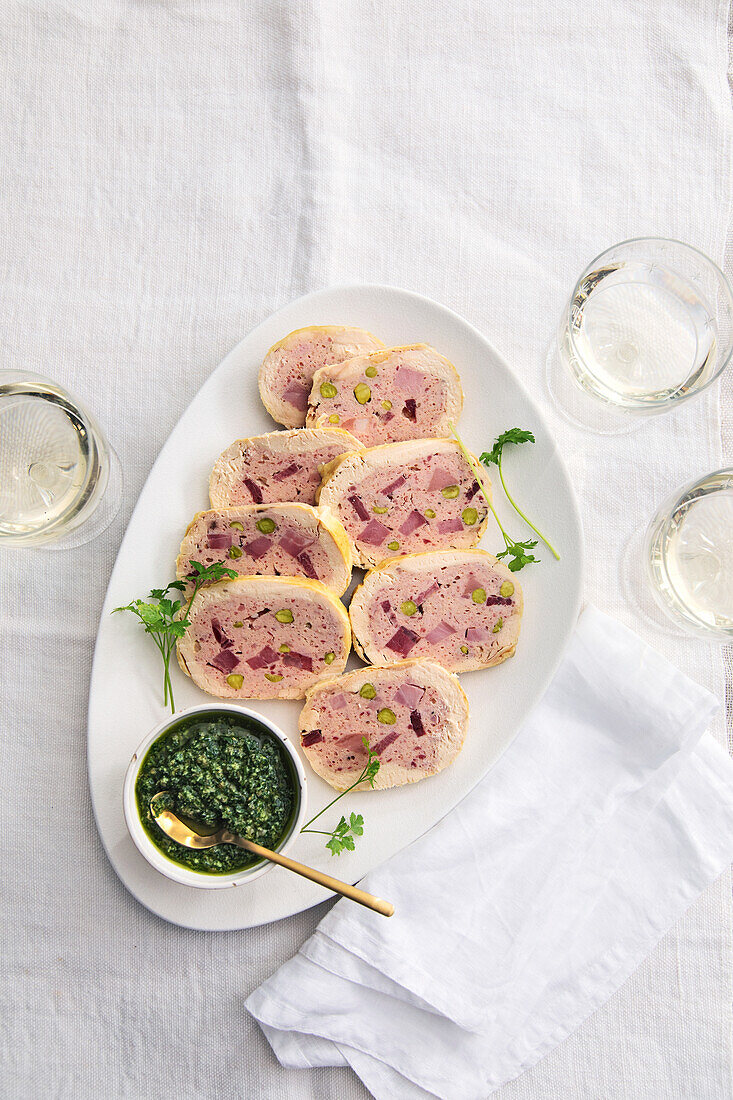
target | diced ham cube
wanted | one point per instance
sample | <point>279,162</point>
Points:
<point>298,660</point>
<point>225,661</point>
<point>254,490</point>
<point>266,657</point>
<point>440,480</point>
<point>311,738</point>
<point>257,548</point>
<point>296,395</point>
<point>394,485</point>
<point>358,505</point>
<point>385,742</point>
<point>409,695</point>
<point>417,723</point>
<point>413,521</point>
<point>440,632</point>
<point>409,381</point>
<point>449,526</point>
<point>219,540</point>
<point>289,471</point>
<point>402,641</point>
<point>374,533</point>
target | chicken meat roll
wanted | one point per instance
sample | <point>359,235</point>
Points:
<point>276,467</point>
<point>287,370</point>
<point>288,540</point>
<point>414,716</point>
<point>405,498</point>
<point>264,638</point>
<point>462,608</point>
<point>388,396</point>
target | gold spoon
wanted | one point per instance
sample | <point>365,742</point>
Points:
<point>182,833</point>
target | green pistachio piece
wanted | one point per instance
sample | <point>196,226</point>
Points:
<point>328,389</point>
<point>236,525</point>
<point>409,607</point>
<point>479,595</point>
<point>387,405</point>
<point>272,677</point>
<point>284,648</point>
<point>429,513</point>
<point>371,371</point>
<point>497,626</point>
<point>330,658</point>
<point>238,624</point>
<point>266,525</point>
<point>235,680</point>
<point>464,649</point>
<point>367,691</point>
<point>394,545</point>
<point>386,716</point>
<point>333,418</point>
<point>450,492</point>
<point>235,551</point>
<point>469,516</point>
<point>362,393</point>
<point>286,615</point>
<point>507,589</point>
<point>380,511</point>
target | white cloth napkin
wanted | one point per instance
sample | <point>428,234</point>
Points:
<point>522,911</point>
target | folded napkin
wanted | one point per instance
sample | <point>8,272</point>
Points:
<point>524,909</point>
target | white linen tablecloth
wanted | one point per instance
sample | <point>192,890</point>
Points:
<point>171,173</point>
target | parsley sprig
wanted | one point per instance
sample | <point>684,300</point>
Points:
<point>518,552</point>
<point>342,837</point>
<point>165,618</point>
<point>515,436</point>
<point>344,833</point>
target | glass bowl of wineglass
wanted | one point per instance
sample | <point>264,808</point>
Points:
<point>649,325</point>
<point>679,571</point>
<point>60,481</point>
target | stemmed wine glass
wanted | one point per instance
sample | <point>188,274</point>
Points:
<point>648,325</point>
<point>679,571</point>
<point>60,481</point>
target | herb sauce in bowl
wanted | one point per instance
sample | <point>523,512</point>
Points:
<point>219,768</point>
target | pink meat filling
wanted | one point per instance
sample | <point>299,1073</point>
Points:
<point>409,502</point>
<point>293,549</point>
<point>272,477</point>
<point>247,639</point>
<point>297,364</point>
<point>447,617</point>
<point>396,404</point>
<point>412,741</point>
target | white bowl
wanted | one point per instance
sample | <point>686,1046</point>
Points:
<point>176,871</point>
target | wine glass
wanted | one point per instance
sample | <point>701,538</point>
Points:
<point>679,571</point>
<point>60,481</point>
<point>648,325</point>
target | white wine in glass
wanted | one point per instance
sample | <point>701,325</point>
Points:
<point>688,554</point>
<point>59,478</point>
<point>649,324</point>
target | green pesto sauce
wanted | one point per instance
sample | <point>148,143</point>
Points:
<point>219,769</point>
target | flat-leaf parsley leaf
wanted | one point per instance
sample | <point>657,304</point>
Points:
<point>342,837</point>
<point>165,618</point>
<point>515,436</point>
<point>517,552</point>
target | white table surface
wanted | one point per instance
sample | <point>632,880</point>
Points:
<point>170,175</point>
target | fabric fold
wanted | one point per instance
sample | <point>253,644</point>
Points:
<point>529,905</point>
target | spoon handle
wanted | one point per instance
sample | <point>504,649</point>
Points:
<point>353,892</point>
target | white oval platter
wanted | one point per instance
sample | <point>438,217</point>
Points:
<point>126,687</point>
